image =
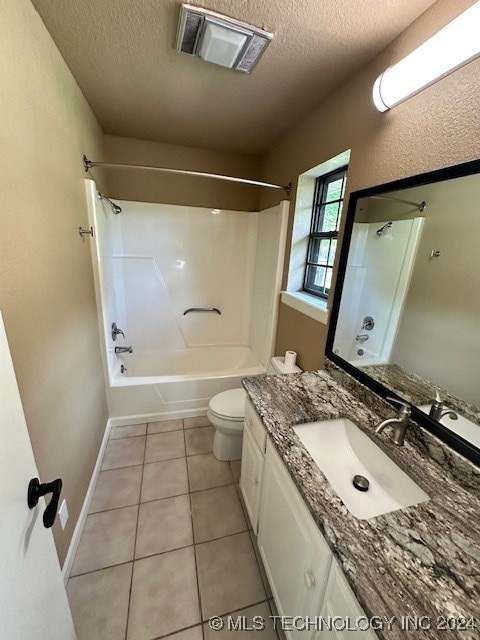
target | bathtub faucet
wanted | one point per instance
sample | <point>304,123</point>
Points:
<point>123,350</point>
<point>363,337</point>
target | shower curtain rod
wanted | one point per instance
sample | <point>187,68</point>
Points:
<point>88,164</point>
<point>421,206</point>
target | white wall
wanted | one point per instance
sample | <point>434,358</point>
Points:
<point>168,258</point>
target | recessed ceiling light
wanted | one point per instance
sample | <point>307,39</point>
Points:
<point>221,40</point>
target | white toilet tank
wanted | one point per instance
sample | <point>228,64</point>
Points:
<point>277,365</point>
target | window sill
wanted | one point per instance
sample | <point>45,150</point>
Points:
<point>307,304</point>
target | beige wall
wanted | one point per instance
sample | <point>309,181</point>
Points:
<point>438,333</point>
<point>436,128</point>
<point>46,284</point>
<point>167,188</point>
<point>303,334</point>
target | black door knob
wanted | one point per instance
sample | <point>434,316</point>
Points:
<point>37,490</point>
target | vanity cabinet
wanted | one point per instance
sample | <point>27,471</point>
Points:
<point>295,556</point>
<point>340,600</point>
<point>253,459</point>
<point>304,577</point>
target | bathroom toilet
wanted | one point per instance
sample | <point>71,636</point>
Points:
<point>226,412</point>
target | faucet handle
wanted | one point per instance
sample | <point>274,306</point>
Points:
<point>116,331</point>
<point>405,408</point>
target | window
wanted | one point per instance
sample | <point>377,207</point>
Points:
<point>322,243</point>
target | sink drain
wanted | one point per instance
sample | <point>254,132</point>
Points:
<point>361,483</point>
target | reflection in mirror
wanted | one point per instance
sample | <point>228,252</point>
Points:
<point>409,315</point>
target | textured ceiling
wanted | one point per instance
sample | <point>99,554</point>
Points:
<point>122,54</point>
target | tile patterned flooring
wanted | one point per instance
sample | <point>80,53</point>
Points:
<point>167,543</point>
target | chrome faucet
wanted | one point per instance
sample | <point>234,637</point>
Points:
<point>123,350</point>
<point>363,337</point>
<point>401,423</point>
<point>438,409</point>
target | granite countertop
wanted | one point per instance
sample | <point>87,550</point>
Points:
<point>417,561</point>
<point>419,391</point>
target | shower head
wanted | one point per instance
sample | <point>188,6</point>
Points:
<point>115,208</point>
<point>382,230</point>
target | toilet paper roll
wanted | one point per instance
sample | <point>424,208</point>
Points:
<point>290,358</point>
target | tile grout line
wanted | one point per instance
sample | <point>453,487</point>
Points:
<point>161,553</point>
<point>195,543</point>
<point>176,495</point>
<point>140,435</point>
<point>135,542</point>
<point>204,622</point>
<point>254,604</point>
<point>128,466</point>
<point>193,538</point>
<point>169,635</point>
<point>183,428</point>
<point>192,455</point>
<point>110,566</point>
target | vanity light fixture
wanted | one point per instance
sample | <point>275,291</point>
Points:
<point>449,49</point>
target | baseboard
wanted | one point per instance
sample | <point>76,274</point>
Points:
<point>122,421</point>
<point>77,534</point>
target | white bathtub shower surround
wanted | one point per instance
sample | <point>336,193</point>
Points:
<point>152,262</point>
<point>378,273</point>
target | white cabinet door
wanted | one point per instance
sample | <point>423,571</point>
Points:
<point>251,477</point>
<point>340,603</point>
<point>33,602</point>
<point>295,555</point>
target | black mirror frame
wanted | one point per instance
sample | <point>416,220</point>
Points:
<point>457,443</point>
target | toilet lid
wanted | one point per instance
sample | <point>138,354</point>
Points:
<point>229,403</point>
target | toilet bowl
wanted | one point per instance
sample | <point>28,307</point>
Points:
<point>226,412</point>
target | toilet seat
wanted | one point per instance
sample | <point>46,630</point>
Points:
<point>222,419</point>
<point>226,425</point>
<point>229,405</point>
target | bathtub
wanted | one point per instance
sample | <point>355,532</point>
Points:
<point>168,384</point>
<point>349,352</point>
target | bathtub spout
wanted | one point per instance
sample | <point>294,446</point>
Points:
<point>123,350</point>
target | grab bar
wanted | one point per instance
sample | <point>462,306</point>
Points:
<point>214,309</point>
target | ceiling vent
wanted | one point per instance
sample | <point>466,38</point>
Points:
<point>220,40</point>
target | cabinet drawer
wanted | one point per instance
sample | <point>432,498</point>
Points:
<point>254,425</point>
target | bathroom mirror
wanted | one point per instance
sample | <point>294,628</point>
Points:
<point>406,311</point>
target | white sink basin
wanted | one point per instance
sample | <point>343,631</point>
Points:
<point>462,427</point>
<point>342,451</point>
